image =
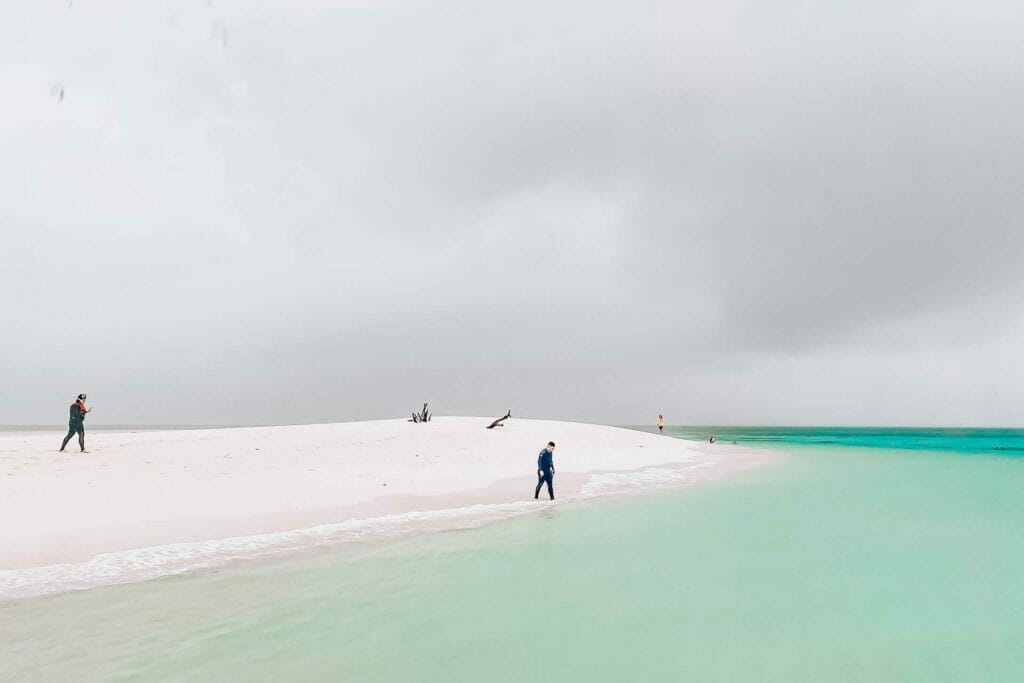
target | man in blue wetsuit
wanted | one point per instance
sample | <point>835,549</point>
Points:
<point>546,470</point>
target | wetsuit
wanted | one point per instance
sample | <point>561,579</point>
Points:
<point>76,423</point>
<point>545,473</point>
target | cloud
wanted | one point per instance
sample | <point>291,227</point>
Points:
<point>577,210</point>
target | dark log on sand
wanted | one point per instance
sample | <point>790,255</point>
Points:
<point>497,423</point>
<point>423,416</point>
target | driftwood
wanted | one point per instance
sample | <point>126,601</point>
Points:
<point>422,416</point>
<point>497,423</point>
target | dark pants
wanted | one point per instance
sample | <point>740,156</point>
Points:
<point>72,428</point>
<point>546,476</point>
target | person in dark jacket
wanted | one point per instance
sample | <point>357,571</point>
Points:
<point>76,422</point>
<point>546,470</point>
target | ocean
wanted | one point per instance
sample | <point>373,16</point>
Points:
<point>859,555</point>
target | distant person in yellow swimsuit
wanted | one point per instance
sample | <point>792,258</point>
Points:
<point>661,424</point>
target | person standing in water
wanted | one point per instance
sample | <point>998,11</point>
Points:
<point>661,423</point>
<point>76,423</point>
<point>546,470</point>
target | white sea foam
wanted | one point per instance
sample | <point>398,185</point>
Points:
<point>148,563</point>
<point>140,564</point>
<point>610,483</point>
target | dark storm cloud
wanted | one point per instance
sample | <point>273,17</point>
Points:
<point>724,212</point>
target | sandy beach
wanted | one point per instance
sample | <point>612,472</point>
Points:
<point>136,490</point>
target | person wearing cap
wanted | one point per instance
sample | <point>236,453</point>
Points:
<point>546,470</point>
<point>76,423</point>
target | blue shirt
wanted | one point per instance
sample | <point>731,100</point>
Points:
<point>544,461</point>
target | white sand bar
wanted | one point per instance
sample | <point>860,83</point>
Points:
<point>137,490</point>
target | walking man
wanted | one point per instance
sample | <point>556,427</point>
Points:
<point>76,423</point>
<point>546,470</point>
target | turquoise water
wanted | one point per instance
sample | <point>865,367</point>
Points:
<point>960,440</point>
<point>878,562</point>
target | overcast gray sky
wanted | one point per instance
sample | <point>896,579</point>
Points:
<point>727,212</point>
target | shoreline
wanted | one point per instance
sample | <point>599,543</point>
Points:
<point>164,514</point>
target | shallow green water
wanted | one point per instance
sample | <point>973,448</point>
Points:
<point>835,564</point>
